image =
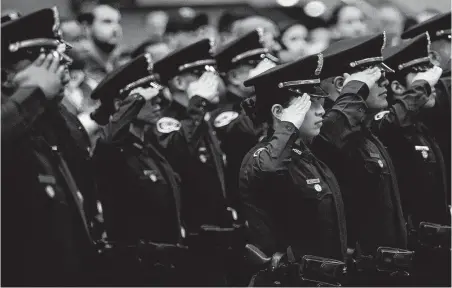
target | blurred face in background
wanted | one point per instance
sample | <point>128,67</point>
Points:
<point>351,23</point>
<point>156,24</point>
<point>319,39</point>
<point>425,15</point>
<point>391,20</point>
<point>294,38</point>
<point>72,31</point>
<point>106,28</point>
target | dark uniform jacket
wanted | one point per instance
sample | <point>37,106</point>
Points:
<point>46,222</point>
<point>237,134</point>
<point>291,198</point>
<point>438,120</point>
<point>189,142</point>
<point>140,190</point>
<point>421,173</point>
<point>348,143</point>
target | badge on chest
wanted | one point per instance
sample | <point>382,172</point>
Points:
<point>423,149</point>
<point>225,118</point>
<point>316,183</point>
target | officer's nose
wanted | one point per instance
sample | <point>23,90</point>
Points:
<point>320,111</point>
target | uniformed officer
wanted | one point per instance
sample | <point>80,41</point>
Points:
<point>417,158</point>
<point>236,62</point>
<point>349,137</point>
<point>289,197</point>
<point>187,136</point>
<point>49,209</point>
<point>437,118</point>
<point>139,189</point>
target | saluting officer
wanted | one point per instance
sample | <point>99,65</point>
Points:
<point>187,136</point>
<point>49,209</point>
<point>418,160</point>
<point>438,118</point>
<point>239,60</point>
<point>139,189</point>
<point>349,137</point>
<point>289,197</point>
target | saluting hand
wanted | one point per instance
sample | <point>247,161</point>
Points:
<point>206,87</point>
<point>263,66</point>
<point>369,76</point>
<point>297,110</point>
<point>45,73</point>
<point>146,93</point>
<point>432,76</point>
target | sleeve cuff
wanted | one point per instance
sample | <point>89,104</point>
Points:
<point>30,101</point>
<point>356,87</point>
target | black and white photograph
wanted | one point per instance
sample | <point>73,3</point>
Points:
<point>226,143</point>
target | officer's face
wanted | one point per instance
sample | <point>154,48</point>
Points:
<point>378,94</point>
<point>152,110</point>
<point>294,39</point>
<point>313,119</point>
<point>106,26</point>
<point>238,76</point>
<point>351,22</point>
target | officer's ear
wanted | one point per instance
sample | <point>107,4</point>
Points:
<point>397,88</point>
<point>277,111</point>
<point>338,83</point>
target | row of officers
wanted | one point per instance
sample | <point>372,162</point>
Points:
<point>337,159</point>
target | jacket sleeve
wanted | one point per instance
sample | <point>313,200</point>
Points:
<point>265,166</point>
<point>19,111</point>
<point>405,109</point>
<point>344,119</point>
<point>183,140</point>
<point>121,120</point>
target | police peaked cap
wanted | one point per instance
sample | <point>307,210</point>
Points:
<point>192,57</point>
<point>354,54</point>
<point>40,29</point>
<point>412,53</point>
<point>246,48</point>
<point>119,83</point>
<point>437,27</point>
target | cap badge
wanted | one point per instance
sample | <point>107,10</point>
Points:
<point>149,61</point>
<point>318,70</point>
<point>168,125</point>
<point>384,41</point>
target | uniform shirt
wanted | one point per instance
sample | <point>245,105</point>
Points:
<point>290,198</point>
<point>190,144</point>
<point>349,145</point>
<point>237,134</point>
<point>139,188</point>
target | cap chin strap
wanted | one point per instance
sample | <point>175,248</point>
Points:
<point>148,79</point>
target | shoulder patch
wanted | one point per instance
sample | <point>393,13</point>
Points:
<point>258,151</point>
<point>225,118</point>
<point>380,115</point>
<point>167,125</point>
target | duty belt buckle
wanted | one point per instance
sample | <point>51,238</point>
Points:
<point>394,260</point>
<point>324,272</point>
<point>434,236</point>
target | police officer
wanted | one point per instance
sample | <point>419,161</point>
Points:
<point>289,197</point>
<point>437,118</point>
<point>140,190</point>
<point>417,158</point>
<point>236,62</point>
<point>188,139</point>
<point>349,135</point>
<point>49,215</point>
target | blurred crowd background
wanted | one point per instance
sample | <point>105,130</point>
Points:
<point>107,33</point>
